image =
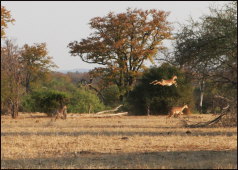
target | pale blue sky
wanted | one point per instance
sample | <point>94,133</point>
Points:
<point>59,23</point>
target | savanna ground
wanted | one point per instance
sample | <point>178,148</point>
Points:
<point>34,141</point>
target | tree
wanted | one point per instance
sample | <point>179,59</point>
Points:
<point>36,63</point>
<point>123,42</point>
<point>208,48</point>
<point>146,98</point>
<point>11,77</point>
<point>5,19</point>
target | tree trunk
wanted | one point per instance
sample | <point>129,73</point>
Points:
<point>201,102</point>
<point>14,109</point>
<point>27,84</point>
<point>201,96</point>
<point>89,108</point>
<point>148,109</point>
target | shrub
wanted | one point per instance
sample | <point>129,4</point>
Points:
<point>44,101</point>
<point>83,101</point>
<point>111,95</point>
<point>156,99</point>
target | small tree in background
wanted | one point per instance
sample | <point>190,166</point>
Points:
<point>155,99</point>
<point>5,19</point>
<point>11,78</point>
<point>37,63</point>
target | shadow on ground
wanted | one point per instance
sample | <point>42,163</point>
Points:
<point>123,133</point>
<point>174,160</point>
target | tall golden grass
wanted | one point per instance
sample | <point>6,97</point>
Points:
<point>157,142</point>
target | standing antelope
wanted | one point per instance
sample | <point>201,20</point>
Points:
<point>61,112</point>
<point>163,82</point>
<point>177,110</point>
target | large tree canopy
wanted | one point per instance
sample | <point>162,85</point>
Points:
<point>122,42</point>
<point>209,47</point>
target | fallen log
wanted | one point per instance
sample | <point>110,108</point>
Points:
<point>203,124</point>
<point>98,115</point>
<point>106,111</point>
<point>110,115</point>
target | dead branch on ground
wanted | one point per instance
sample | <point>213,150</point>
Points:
<point>208,123</point>
<point>106,111</point>
<point>203,124</point>
<point>98,115</point>
<point>109,115</point>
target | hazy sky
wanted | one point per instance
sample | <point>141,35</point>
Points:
<point>59,23</point>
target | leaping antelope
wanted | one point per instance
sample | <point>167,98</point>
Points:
<point>163,82</point>
<point>177,110</point>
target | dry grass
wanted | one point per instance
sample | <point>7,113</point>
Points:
<point>33,141</point>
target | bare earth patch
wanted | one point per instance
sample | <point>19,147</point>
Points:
<point>33,141</point>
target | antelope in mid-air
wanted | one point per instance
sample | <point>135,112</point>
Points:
<point>163,82</point>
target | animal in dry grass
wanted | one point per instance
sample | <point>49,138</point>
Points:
<point>163,82</point>
<point>176,111</point>
<point>187,111</point>
<point>61,113</point>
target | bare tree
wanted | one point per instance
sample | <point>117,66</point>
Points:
<point>11,77</point>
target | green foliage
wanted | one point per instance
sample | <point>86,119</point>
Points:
<point>208,48</point>
<point>209,44</point>
<point>159,99</point>
<point>83,101</point>
<point>111,95</point>
<point>27,103</point>
<point>79,100</point>
<point>212,104</point>
<point>36,63</point>
<point>44,101</point>
<point>60,82</point>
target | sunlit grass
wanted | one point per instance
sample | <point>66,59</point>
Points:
<point>118,142</point>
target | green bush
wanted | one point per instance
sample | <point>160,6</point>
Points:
<point>27,104</point>
<point>47,96</point>
<point>83,101</point>
<point>111,96</point>
<point>44,101</point>
<point>47,101</point>
<point>157,99</point>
